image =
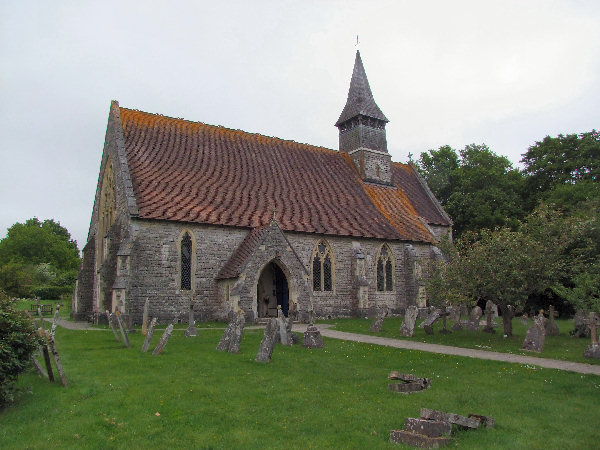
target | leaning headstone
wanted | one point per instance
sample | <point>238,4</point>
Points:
<point>191,330</point>
<point>122,328</point>
<point>163,340</point>
<point>427,324</point>
<point>149,334</point>
<point>224,343</point>
<point>292,337</point>
<point>489,311</point>
<point>265,351</point>
<point>145,318</point>
<point>580,325</point>
<point>283,334</point>
<point>474,318</point>
<point>536,335</point>
<point>551,327</point>
<point>378,322</point>
<point>593,350</point>
<point>408,324</point>
<point>312,337</point>
<point>111,323</point>
<point>236,338</point>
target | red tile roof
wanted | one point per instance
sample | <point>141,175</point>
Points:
<point>192,172</point>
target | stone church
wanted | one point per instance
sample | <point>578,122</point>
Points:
<point>235,220</point>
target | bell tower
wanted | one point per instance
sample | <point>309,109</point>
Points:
<point>362,130</point>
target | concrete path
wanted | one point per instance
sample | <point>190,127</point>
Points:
<point>458,351</point>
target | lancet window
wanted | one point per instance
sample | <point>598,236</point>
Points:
<point>385,269</point>
<point>322,267</point>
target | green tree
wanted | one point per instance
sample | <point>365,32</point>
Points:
<point>437,167</point>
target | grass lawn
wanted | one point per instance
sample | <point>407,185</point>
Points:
<point>562,347</point>
<point>192,396</point>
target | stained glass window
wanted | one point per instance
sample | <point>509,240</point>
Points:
<point>186,262</point>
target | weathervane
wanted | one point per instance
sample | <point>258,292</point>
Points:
<point>410,156</point>
<point>356,42</point>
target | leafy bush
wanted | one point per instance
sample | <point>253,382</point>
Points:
<point>51,292</point>
<point>18,339</point>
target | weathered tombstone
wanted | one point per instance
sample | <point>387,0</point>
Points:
<point>454,312</point>
<point>489,311</point>
<point>461,421</point>
<point>149,334</point>
<point>163,340</point>
<point>223,345</point>
<point>265,351</point>
<point>408,324</point>
<point>123,331</point>
<point>474,318</point>
<point>111,323</point>
<point>236,339</point>
<point>593,350</point>
<point>407,382</point>
<point>551,327</point>
<point>191,330</point>
<point>145,317</point>
<point>427,324</point>
<point>57,362</point>
<point>536,335</point>
<point>444,314</point>
<point>292,337</point>
<point>580,325</point>
<point>312,337</point>
<point>378,322</point>
<point>283,334</point>
<point>524,319</point>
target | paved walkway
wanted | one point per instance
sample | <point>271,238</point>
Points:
<point>411,345</point>
<point>458,351</point>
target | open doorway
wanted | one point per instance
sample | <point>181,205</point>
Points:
<point>272,290</point>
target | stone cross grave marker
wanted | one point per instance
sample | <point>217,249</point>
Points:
<point>149,334</point>
<point>145,317</point>
<point>593,350</point>
<point>536,335</point>
<point>123,330</point>
<point>551,326</point>
<point>408,324</point>
<point>191,330</point>
<point>489,311</point>
<point>378,322</point>
<point>265,351</point>
<point>163,340</point>
<point>473,322</point>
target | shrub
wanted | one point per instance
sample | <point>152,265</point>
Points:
<point>18,339</point>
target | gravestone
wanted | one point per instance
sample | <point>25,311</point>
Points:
<point>378,322</point>
<point>145,317</point>
<point>524,319</point>
<point>122,328</point>
<point>111,323</point>
<point>454,313</point>
<point>149,334</point>
<point>283,332</point>
<point>489,311</point>
<point>292,337</point>
<point>581,328</point>
<point>474,318</point>
<point>191,330</point>
<point>407,382</point>
<point>444,314</point>
<point>461,421</point>
<point>427,324</point>
<point>236,338</point>
<point>593,350</point>
<point>224,343</point>
<point>536,335</point>
<point>408,324</point>
<point>163,340</point>
<point>265,351</point>
<point>312,337</point>
<point>551,327</point>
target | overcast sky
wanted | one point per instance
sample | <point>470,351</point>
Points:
<point>503,73</point>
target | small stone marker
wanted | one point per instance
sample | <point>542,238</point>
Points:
<point>489,311</point>
<point>536,335</point>
<point>378,322</point>
<point>580,325</point>
<point>149,334</point>
<point>408,324</point>
<point>551,327</point>
<point>461,421</point>
<point>145,317</point>
<point>473,322</point>
<point>593,350</point>
<point>123,331</point>
<point>408,382</point>
<point>163,340</point>
<point>265,351</point>
<point>312,337</point>
<point>524,319</point>
<point>236,339</point>
<point>191,330</point>
<point>427,324</point>
<point>431,428</point>
<point>111,323</point>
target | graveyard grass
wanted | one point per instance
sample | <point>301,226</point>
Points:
<point>192,396</point>
<point>563,347</point>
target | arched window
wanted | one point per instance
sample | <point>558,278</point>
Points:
<point>322,267</point>
<point>186,262</point>
<point>385,269</point>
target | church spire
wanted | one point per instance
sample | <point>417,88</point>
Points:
<point>360,98</point>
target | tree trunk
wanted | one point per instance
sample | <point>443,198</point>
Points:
<point>507,315</point>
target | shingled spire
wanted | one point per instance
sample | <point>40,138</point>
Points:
<point>362,129</point>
